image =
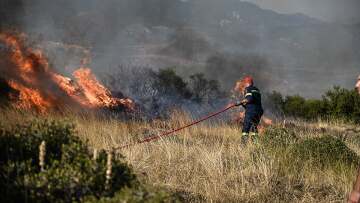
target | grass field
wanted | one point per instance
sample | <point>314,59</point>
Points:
<point>291,162</point>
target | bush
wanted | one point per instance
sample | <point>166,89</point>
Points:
<point>278,138</point>
<point>140,195</point>
<point>70,172</point>
<point>337,103</point>
<point>198,89</point>
<point>326,151</point>
<point>204,90</point>
<point>343,103</point>
<point>168,82</point>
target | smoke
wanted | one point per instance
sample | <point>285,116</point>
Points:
<point>10,12</point>
<point>346,11</point>
<point>289,53</point>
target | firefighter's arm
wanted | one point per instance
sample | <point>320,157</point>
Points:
<point>248,98</point>
<point>242,102</point>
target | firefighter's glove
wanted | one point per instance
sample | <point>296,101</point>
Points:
<point>242,103</point>
<point>238,104</point>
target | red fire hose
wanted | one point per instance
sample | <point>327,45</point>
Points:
<point>156,137</point>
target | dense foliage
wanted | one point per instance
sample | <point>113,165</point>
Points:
<point>70,173</point>
<point>338,103</point>
<point>198,88</point>
<point>325,152</point>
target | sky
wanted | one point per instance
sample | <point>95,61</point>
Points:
<point>339,11</point>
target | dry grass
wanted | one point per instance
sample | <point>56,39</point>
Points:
<point>207,163</point>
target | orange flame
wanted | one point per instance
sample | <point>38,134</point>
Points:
<point>239,87</point>
<point>40,88</point>
<point>96,94</point>
<point>30,98</point>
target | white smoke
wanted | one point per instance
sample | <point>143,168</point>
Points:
<point>346,11</point>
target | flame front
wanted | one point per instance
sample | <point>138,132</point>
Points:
<point>96,94</point>
<point>38,87</point>
<point>30,98</point>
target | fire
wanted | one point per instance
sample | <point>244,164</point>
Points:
<point>39,87</point>
<point>96,94</point>
<point>240,87</point>
<point>30,98</point>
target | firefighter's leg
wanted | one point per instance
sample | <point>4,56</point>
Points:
<point>254,127</point>
<point>246,128</point>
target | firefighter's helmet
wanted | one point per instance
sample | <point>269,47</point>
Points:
<point>248,80</point>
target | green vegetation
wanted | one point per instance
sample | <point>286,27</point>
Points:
<point>198,88</point>
<point>170,83</point>
<point>295,162</point>
<point>203,89</point>
<point>322,152</point>
<point>70,173</point>
<point>308,163</point>
<point>326,151</point>
<point>337,103</point>
<point>291,162</point>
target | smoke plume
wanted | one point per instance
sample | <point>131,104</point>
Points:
<point>291,53</point>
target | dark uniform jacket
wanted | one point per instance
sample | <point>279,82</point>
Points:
<point>254,105</point>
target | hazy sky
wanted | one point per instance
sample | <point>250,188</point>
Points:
<point>343,11</point>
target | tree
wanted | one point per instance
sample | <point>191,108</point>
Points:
<point>203,90</point>
<point>168,82</point>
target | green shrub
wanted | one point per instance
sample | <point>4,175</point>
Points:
<point>326,151</point>
<point>295,153</point>
<point>278,138</point>
<point>343,103</point>
<point>70,172</point>
<point>337,103</point>
<point>203,89</point>
<point>168,82</point>
<point>198,88</point>
<point>142,194</point>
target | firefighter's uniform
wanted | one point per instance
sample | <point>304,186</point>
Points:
<point>253,111</point>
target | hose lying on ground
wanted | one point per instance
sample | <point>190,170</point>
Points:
<point>156,137</point>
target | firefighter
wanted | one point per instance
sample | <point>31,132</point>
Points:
<point>253,109</point>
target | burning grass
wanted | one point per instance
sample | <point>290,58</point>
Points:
<point>37,86</point>
<point>208,162</point>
